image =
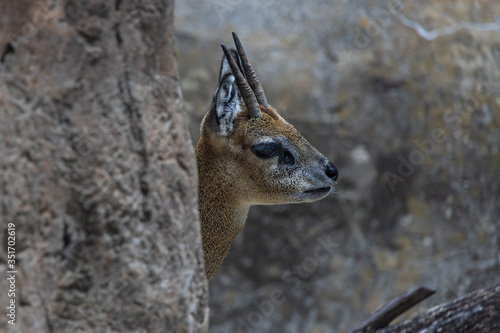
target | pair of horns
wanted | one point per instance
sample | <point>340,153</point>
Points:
<point>248,84</point>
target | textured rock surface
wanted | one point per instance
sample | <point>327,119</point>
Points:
<point>97,171</point>
<point>404,98</point>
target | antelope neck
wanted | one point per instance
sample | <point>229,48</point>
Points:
<point>221,222</point>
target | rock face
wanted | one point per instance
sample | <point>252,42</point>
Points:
<point>404,98</point>
<point>97,172</point>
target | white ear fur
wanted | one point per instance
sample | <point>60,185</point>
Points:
<point>225,69</point>
<point>227,103</point>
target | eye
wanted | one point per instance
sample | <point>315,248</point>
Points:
<point>265,150</point>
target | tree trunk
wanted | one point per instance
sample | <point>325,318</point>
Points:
<point>97,172</point>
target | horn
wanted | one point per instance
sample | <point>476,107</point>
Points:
<point>250,73</point>
<point>245,90</point>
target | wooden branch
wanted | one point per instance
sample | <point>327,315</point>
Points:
<point>477,312</point>
<point>384,315</point>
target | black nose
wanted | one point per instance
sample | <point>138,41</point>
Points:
<point>331,171</point>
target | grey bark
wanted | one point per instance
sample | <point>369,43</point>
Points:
<point>477,312</point>
<point>97,173</point>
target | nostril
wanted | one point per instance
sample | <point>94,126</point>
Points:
<point>331,171</point>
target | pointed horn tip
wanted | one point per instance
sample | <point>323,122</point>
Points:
<point>237,41</point>
<point>226,52</point>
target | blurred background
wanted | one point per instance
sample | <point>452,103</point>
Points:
<point>404,98</point>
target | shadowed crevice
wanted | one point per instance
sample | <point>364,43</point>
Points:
<point>9,48</point>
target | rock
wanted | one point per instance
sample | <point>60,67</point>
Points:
<point>404,99</point>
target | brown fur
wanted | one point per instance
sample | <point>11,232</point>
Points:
<point>232,178</point>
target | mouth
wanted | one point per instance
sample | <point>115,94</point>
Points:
<point>321,190</point>
<point>315,194</point>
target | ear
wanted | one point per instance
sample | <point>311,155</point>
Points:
<point>225,69</point>
<point>227,98</point>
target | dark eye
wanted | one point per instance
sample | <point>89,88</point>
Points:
<point>265,150</point>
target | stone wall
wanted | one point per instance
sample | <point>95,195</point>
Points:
<point>404,98</point>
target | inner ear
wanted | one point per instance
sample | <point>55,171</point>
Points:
<point>225,69</point>
<point>227,104</point>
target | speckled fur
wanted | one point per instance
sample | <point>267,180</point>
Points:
<point>232,178</point>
